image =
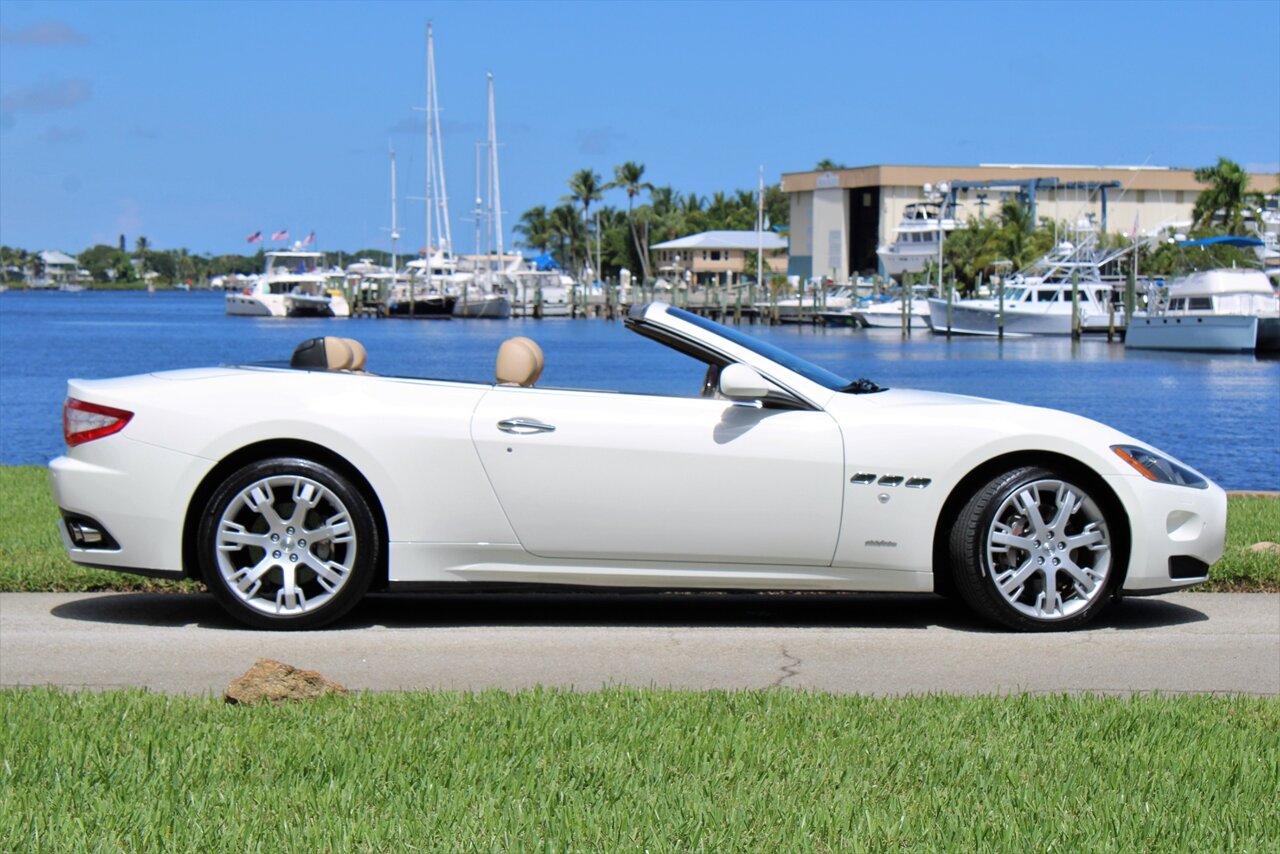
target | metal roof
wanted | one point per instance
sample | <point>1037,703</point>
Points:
<point>725,240</point>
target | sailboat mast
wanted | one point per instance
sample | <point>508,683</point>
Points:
<point>395,232</point>
<point>430,196</point>
<point>442,225</point>
<point>760,233</point>
<point>495,190</point>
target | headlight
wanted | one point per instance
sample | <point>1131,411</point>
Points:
<point>1152,466</point>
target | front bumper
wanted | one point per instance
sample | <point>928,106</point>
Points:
<point>1177,533</point>
<point>137,493</point>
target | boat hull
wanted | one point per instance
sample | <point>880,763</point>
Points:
<point>255,305</point>
<point>432,305</point>
<point>1210,333</point>
<point>889,315</point>
<point>981,317</point>
<point>315,305</point>
<point>491,307</point>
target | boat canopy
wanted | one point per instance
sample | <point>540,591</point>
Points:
<point>1224,240</point>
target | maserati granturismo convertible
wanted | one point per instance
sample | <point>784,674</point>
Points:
<point>292,489</point>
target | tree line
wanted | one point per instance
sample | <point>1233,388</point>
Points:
<point>113,264</point>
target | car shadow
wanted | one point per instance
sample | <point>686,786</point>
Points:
<point>698,609</point>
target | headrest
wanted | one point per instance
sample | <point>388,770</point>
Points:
<point>359,356</point>
<point>323,354</point>
<point>520,362</point>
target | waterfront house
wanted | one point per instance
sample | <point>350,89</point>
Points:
<point>718,257</point>
<point>54,270</point>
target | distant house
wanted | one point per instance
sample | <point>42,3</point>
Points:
<point>718,257</point>
<point>55,269</point>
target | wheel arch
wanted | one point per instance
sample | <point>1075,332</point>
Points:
<point>1067,466</point>
<point>279,448</point>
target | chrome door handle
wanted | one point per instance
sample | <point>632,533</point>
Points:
<point>524,426</point>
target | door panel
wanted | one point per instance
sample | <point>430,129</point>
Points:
<point>641,477</point>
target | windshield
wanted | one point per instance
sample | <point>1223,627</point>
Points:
<point>808,370</point>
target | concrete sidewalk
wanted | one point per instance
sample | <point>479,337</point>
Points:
<point>864,643</point>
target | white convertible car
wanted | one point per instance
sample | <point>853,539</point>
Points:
<point>293,489</point>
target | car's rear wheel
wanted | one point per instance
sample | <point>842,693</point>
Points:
<point>1033,550</point>
<point>287,543</point>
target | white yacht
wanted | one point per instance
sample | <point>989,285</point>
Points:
<point>812,303</point>
<point>1227,310</point>
<point>1038,301</point>
<point>916,240</point>
<point>291,285</point>
<point>888,314</point>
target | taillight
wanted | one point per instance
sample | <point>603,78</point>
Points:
<point>83,422</point>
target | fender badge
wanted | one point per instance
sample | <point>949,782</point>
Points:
<point>881,544</point>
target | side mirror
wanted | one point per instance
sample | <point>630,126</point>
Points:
<point>740,382</point>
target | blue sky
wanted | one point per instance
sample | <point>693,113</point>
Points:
<point>195,124</point>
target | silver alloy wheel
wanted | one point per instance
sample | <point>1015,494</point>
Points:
<point>1048,550</point>
<point>285,545</point>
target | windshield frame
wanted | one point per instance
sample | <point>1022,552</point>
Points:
<point>811,372</point>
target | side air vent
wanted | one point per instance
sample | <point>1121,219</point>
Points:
<point>863,478</point>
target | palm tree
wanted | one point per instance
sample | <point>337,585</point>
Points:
<point>535,226</point>
<point>1227,195</point>
<point>629,176</point>
<point>562,224</point>
<point>140,252</point>
<point>585,188</point>
<point>826,164</point>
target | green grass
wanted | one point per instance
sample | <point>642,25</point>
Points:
<point>1249,520</point>
<point>32,557</point>
<point>632,770</point>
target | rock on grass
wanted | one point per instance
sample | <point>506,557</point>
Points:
<point>275,682</point>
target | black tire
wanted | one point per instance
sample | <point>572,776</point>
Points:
<point>277,578</point>
<point>1012,567</point>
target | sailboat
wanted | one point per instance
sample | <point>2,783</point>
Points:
<point>433,279</point>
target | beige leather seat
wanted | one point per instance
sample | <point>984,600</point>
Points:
<point>520,362</point>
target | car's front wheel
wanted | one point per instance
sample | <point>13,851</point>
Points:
<point>1035,550</point>
<point>287,543</point>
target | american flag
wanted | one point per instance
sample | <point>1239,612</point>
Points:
<point>256,237</point>
<point>310,238</point>
<point>282,234</point>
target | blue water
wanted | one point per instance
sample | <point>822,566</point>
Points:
<point>1218,413</point>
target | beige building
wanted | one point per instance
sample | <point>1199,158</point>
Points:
<point>839,218</point>
<point>718,257</point>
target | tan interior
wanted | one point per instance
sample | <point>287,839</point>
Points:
<point>520,362</point>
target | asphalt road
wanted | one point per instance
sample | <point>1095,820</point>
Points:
<point>865,643</point>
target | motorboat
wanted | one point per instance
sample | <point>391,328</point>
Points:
<point>819,300</point>
<point>292,284</point>
<point>1038,301</point>
<point>916,239</point>
<point>1224,310</point>
<point>550,289</point>
<point>888,314</point>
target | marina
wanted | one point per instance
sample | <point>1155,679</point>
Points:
<point>1214,411</point>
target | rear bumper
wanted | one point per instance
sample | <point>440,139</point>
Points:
<point>137,493</point>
